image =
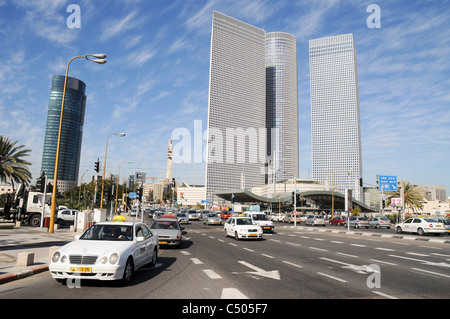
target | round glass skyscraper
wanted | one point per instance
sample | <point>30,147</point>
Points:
<point>71,132</point>
<point>282,104</point>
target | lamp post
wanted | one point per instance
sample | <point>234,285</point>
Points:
<point>104,165</point>
<point>100,59</point>
<point>117,187</point>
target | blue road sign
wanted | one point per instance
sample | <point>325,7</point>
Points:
<point>132,195</point>
<point>387,183</point>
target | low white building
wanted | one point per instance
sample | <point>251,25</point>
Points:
<point>190,195</point>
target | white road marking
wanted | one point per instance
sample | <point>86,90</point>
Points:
<point>384,295</point>
<point>232,293</point>
<point>332,277</point>
<point>196,261</point>
<point>212,274</point>
<point>292,264</point>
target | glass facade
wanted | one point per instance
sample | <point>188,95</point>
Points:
<point>252,90</point>
<point>282,104</point>
<point>71,132</point>
<point>236,108</point>
<point>335,119</point>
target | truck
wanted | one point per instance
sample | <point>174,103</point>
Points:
<point>26,206</point>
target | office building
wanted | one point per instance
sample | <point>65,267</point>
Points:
<point>335,117</point>
<point>242,109</point>
<point>71,132</point>
<point>282,105</point>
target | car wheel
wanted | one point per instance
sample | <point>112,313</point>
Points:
<point>128,271</point>
<point>399,230</point>
<point>236,236</point>
<point>420,231</point>
<point>154,257</point>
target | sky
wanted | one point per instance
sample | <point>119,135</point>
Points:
<point>156,79</point>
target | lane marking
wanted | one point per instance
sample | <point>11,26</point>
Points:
<point>212,274</point>
<point>332,277</point>
<point>232,293</point>
<point>292,264</point>
<point>431,272</point>
<point>268,256</point>
<point>383,262</point>
<point>385,249</point>
<point>184,252</point>
<point>197,261</point>
<point>384,295</point>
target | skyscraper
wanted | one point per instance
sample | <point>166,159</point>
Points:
<point>335,119</point>
<point>282,104</point>
<point>71,132</point>
<point>243,59</point>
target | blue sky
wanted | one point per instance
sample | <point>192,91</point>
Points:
<point>156,78</point>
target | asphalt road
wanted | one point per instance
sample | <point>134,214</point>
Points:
<point>292,263</point>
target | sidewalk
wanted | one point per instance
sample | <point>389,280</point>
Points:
<point>35,240</point>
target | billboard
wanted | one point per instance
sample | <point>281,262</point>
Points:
<point>387,183</point>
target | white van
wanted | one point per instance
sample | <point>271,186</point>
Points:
<point>261,220</point>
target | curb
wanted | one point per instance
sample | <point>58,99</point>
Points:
<point>23,274</point>
<point>395,236</point>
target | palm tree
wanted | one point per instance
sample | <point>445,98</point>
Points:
<point>12,165</point>
<point>413,199</point>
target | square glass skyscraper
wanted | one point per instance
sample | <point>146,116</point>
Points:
<point>335,117</point>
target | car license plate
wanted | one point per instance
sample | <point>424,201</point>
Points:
<point>80,269</point>
<point>253,234</point>
<point>438,225</point>
<point>266,227</point>
<point>162,242</point>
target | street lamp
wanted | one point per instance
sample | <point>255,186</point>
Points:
<point>117,187</point>
<point>104,165</point>
<point>100,59</point>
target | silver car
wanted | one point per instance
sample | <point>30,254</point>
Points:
<point>315,220</point>
<point>212,219</point>
<point>357,222</point>
<point>182,218</point>
<point>168,230</point>
<point>379,222</point>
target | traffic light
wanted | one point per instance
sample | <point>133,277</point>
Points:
<point>383,203</point>
<point>97,166</point>
<point>360,182</point>
<point>139,193</point>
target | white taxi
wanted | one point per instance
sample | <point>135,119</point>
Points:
<point>261,220</point>
<point>106,251</point>
<point>421,226</point>
<point>242,227</point>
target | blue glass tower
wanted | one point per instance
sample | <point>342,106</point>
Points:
<point>71,132</point>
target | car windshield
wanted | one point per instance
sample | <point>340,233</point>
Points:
<point>212,215</point>
<point>259,217</point>
<point>244,221</point>
<point>108,232</point>
<point>181,215</point>
<point>165,224</point>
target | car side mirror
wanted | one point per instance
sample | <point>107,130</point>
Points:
<point>140,239</point>
<point>77,237</point>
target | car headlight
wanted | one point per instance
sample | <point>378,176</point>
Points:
<point>56,256</point>
<point>63,259</point>
<point>104,260</point>
<point>114,258</point>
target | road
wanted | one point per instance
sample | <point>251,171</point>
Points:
<point>292,263</point>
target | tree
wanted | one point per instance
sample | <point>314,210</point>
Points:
<point>413,199</point>
<point>12,165</point>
